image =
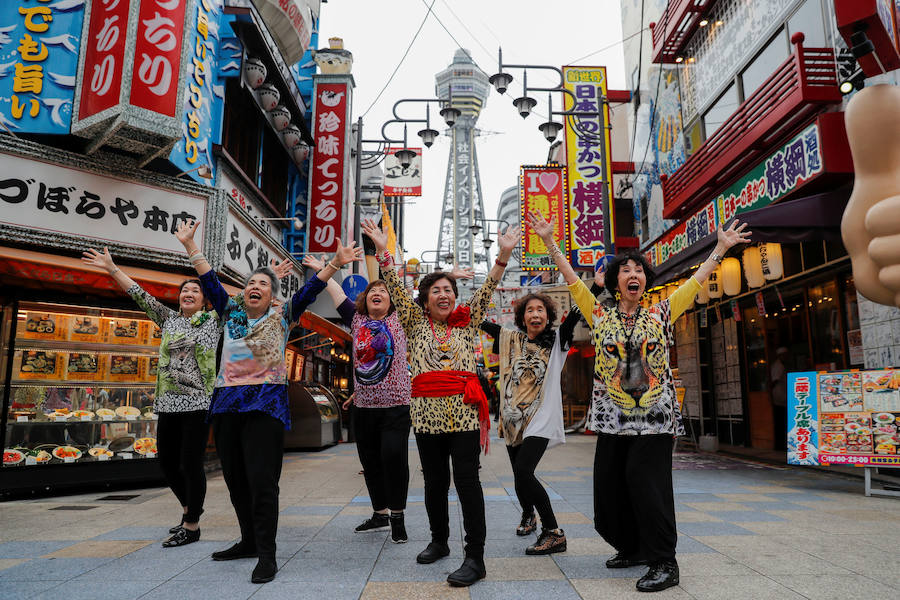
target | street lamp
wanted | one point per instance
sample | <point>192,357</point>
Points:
<point>298,224</point>
<point>203,171</point>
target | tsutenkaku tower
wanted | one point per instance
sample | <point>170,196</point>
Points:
<point>467,86</point>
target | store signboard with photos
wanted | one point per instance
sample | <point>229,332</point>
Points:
<point>847,418</point>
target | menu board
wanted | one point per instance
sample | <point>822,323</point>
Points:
<point>124,367</point>
<point>85,366</point>
<point>155,335</point>
<point>87,329</point>
<point>44,326</point>
<point>844,418</point>
<point>298,367</point>
<point>38,364</point>
<point>127,331</point>
<point>151,368</point>
<point>288,361</point>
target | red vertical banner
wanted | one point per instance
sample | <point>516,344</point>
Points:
<point>542,188</point>
<point>329,167</point>
<point>104,56</point>
<point>157,55</point>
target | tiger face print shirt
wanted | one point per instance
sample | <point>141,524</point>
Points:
<point>428,351</point>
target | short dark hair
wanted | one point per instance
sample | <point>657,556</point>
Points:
<point>273,279</point>
<point>611,277</point>
<point>429,280</point>
<point>199,284</point>
<point>361,306</point>
<point>521,303</point>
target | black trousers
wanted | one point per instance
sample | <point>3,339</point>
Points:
<point>531,494</point>
<point>436,452</point>
<point>181,441</point>
<point>382,441</point>
<point>250,447</point>
<point>634,506</point>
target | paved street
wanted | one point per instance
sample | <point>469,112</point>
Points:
<point>745,531</point>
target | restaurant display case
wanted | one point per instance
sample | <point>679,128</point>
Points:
<point>315,416</point>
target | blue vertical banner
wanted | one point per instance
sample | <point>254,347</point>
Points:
<point>204,94</point>
<point>39,44</point>
<point>802,419</point>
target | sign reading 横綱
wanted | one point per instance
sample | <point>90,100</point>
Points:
<point>400,180</point>
<point>104,57</point>
<point>542,189</point>
<point>39,45</point>
<point>328,184</point>
<point>160,28</point>
<point>589,164</point>
<point>62,200</point>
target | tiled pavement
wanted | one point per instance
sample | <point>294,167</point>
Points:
<point>745,531</point>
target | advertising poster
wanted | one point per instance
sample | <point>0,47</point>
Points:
<point>542,188</point>
<point>400,180</point>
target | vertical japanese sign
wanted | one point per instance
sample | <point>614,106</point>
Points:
<point>330,165</point>
<point>400,180</point>
<point>462,165</point>
<point>542,189</point>
<point>203,95</point>
<point>104,57</point>
<point>39,45</point>
<point>586,165</point>
<point>157,64</point>
<point>803,419</point>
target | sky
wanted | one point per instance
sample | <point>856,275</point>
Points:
<point>557,33</point>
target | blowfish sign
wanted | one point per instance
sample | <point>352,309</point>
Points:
<point>39,44</point>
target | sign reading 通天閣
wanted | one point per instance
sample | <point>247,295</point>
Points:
<point>542,189</point>
<point>586,166</point>
<point>39,44</point>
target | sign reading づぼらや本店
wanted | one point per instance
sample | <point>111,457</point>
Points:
<point>542,189</point>
<point>329,191</point>
<point>847,418</point>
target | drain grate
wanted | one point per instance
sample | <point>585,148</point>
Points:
<point>118,498</point>
<point>73,507</point>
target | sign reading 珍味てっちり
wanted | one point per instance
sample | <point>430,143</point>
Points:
<point>542,189</point>
<point>39,42</point>
<point>589,160</point>
<point>781,173</point>
<point>157,64</point>
<point>328,184</point>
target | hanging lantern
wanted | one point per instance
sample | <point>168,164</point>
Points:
<point>702,295</point>
<point>292,136</point>
<point>753,267</point>
<point>771,260</point>
<point>281,117</point>
<point>714,283</point>
<point>301,152</point>
<point>268,96</point>
<point>254,72</point>
<point>731,276</point>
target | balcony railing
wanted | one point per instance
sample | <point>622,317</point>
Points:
<point>675,27</point>
<point>800,88</point>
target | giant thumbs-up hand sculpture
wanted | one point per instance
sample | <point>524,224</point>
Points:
<point>871,224</point>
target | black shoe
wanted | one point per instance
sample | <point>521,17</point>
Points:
<point>432,552</point>
<point>239,550</point>
<point>182,537</point>
<point>377,522</point>
<point>620,561</point>
<point>471,571</point>
<point>548,542</point>
<point>528,524</point>
<point>264,571</point>
<point>661,575</point>
<point>177,527</point>
<point>398,528</point>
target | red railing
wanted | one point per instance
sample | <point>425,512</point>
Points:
<point>800,88</point>
<point>675,27</point>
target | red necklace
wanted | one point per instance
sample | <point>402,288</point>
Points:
<point>442,343</point>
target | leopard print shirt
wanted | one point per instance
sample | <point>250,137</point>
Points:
<point>448,414</point>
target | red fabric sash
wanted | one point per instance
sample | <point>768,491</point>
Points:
<point>436,384</point>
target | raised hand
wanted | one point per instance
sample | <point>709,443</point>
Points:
<point>541,226</point>
<point>509,240</point>
<point>377,234</point>
<point>347,254</point>
<point>733,235</point>
<point>96,259</point>
<point>186,230</point>
<point>316,264</point>
<point>462,273</point>
<point>281,269</point>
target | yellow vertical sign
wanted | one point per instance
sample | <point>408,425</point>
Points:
<point>585,164</point>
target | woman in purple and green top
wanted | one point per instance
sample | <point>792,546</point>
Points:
<point>380,400</point>
<point>249,408</point>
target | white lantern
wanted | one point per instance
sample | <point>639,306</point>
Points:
<point>281,117</point>
<point>703,295</point>
<point>268,96</point>
<point>301,152</point>
<point>254,72</point>
<point>292,136</point>
<point>714,283</point>
<point>753,267</point>
<point>731,276</point>
<point>771,261</point>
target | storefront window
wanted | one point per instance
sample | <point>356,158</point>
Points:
<point>854,335</point>
<point>808,20</point>
<point>765,64</point>
<point>825,321</point>
<point>719,112</point>
<point>755,350</point>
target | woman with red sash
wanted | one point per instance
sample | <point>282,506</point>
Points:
<point>448,407</point>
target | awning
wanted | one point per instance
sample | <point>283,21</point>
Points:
<point>808,219</point>
<point>322,326</point>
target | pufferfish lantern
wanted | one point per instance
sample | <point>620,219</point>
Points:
<point>334,60</point>
<point>871,224</point>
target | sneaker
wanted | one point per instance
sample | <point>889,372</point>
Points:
<point>548,542</point>
<point>398,528</point>
<point>662,575</point>
<point>528,524</point>
<point>377,522</point>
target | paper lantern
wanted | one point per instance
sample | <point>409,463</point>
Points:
<point>281,117</point>
<point>731,276</point>
<point>254,72</point>
<point>714,283</point>
<point>268,96</point>
<point>292,136</point>
<point>771,261</point>
<point>301,152</point>
<point>702,295</point>
<point>753,267</point>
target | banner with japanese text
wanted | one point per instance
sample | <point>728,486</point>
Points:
<point>157,54</point>
<point>104,57</point>
<point>39,45</point>
<point>542,188</point>
<point>400,180</point>
<point>330,164</point>
<point>589,164</point>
